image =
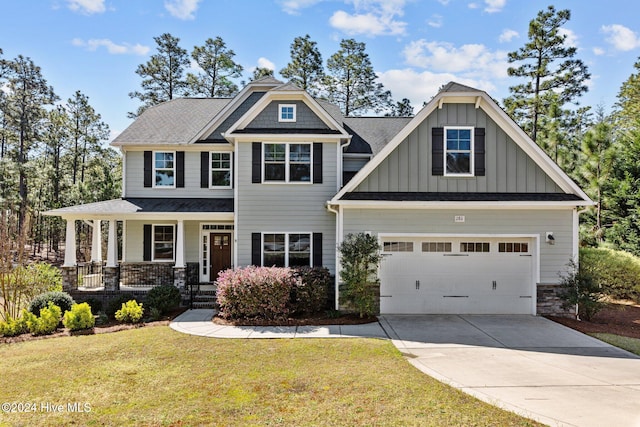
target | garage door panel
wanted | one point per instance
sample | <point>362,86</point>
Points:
<point>454,282</point>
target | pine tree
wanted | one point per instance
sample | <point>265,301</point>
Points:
<point>218,68</point>
<point>305,69</point>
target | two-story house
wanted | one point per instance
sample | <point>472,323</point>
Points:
<point>471,215</point>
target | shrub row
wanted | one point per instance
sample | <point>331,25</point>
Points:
<point>272,292</point>
<point>616,272</point>
<point>48,320</point>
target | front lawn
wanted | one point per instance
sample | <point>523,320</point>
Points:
<point>626,343</point>
<point>156,376</point>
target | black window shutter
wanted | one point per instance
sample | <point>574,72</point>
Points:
<point>317,163</point>
<point>180,169</point>
<point>146,243</point>
<point>437,151</point>
<point>256,249</point>
<point>256,163</point>
<point>478,152</point>
<point>317,250</point>
<point>148,168</point>
<point>204,169</point>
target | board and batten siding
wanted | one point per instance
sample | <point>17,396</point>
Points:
<point>508,168</point>
<point>275,207</point>
<point>553,258</point>
<point>134,175</point>
<point>134,242</point>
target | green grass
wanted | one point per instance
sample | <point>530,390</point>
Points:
<point>156,376</point>
<point>625,343</point>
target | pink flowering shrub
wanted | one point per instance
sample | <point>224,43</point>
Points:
<point>250,292</point>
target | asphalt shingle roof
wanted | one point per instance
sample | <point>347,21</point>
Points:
<point>371,134</point>
<point>146,205</point>
<point>460,197</point>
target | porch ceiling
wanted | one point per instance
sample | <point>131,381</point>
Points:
<point>139,207</point>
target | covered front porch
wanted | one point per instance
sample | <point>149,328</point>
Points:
<point>149,242</point>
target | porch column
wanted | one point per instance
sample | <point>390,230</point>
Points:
<point>180,245</point>
<point>112,254</point>
<point>70,244</point>
<point>96,242</point>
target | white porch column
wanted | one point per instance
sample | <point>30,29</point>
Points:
<point>70,244</point>
<point>180,245</point>
<point>96,242</point>
<point>112,254</point>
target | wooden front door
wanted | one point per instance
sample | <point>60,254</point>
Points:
<point>220,254</point>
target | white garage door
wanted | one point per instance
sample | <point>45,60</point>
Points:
<point>457,276</point>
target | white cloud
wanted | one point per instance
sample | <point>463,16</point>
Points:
<point>422,86</point>
<point>508,35</point>
<point>471,60</point>
<point>182,9</point>
<point>371,18</point>
<point>598,51</point>
<point>265,63</point>
<point>494,6</point>
<point>87,7</point>
<point>435,21</point>
<point>621,37</point>
<point>444,2</point>
<point>473,6</point>
<point>571,37</point>
<point>113,48</point>
<point>293,7</point>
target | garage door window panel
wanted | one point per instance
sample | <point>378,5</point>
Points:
<point>436,246</point>
<point>397,246</point>
<point>482,247</point>
<point>513,247</point>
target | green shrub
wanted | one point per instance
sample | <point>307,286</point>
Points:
<point>360,258</point>
<point>46,323</point>
<point>310,294</point>
<point>580,289</point>
<point>13,327</point>
<point>94,303</point>
<point>80,317</point>
<point>131,312</point>
<point>618,272</point>
<point>164,298</point>
<point>61,299</point>
<point>116,304</point>
<point>154,314</point>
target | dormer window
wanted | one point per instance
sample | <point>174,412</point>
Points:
<point>286,113</point>
<point>458,151</point>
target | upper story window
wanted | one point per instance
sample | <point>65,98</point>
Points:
<point>458,151</point>
<point>286,113</point>
<point>164,168</point>
<point>287,162</point>
<point>221,170</point>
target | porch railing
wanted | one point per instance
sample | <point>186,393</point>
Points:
<point>90,274</point>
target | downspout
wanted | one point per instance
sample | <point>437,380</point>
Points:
<point>330,208</point>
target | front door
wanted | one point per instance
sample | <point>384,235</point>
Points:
<point>220,254</point>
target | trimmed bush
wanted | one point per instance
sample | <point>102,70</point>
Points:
<point>13,327</point>
<point>80,317</point>
<point>46,323</point>
<point>116,304</point>
<point>164,298</point>
<point>131,312</point>
<point>61,299</point>
<point>255,292</point>
<point>95,304</point>
<point>310,294</point>
<point>360,257</point>
<point>618,272</point>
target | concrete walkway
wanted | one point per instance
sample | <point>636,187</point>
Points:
<point>198,322</point>
<point>525,364</point>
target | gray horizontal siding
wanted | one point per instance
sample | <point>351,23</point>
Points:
<point>134,176</point>
<point>508,168</point>
<point>285,207</point>
<point>553,258</point>
<point>134,241</point>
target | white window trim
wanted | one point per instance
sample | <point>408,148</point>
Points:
<point>286,246</point>
<point>287,163</point>
<point>153,242</point>
<point>280,107</point>
<point>174,169</point>
<point>472,151</point>
<point>221,187</point>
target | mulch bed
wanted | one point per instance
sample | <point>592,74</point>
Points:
<point>317,320</point>
<point>619,318</point>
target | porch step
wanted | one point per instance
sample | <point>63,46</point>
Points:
<point>205,299</point>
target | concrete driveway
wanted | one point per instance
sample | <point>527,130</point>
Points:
<point>526,364</point>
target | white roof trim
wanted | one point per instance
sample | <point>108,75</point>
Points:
<point>287,95</point>
<point>404,205</point>
<point>484,101</point>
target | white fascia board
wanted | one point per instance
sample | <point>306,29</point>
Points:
<point>153,216</point>
<point>405,205</point>
<point>279,137</point>
<point>179,147</point>
<point>275,95</point>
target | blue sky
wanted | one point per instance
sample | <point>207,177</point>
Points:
<point>415,45</point>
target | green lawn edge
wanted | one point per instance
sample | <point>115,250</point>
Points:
<point>626,343</point>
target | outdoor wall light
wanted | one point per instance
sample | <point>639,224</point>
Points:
<point>549,238</point>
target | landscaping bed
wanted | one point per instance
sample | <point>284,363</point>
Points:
<point>315,320</point>
<point>618,318</point>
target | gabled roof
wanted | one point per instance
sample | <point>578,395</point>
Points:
<point>457,93</point>
<point>188,116</point>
